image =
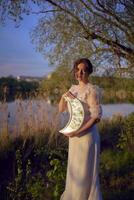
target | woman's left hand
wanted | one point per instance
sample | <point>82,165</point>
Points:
<point>73,134</point>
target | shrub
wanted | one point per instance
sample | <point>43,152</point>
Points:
<point>126,140</point>
<point>117,173</point>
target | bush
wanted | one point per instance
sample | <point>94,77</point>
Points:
<point>110,130</point>
<point>117,173</point>
<point>126,140</point>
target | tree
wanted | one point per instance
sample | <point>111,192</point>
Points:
<point>53,86</point>
<point>100,29</point>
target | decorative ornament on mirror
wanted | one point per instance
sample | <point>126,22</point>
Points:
<point>76,115</point>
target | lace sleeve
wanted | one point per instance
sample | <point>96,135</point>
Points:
<point>93,99</point>
<point>73,90</point>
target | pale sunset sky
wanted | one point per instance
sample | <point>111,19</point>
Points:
<point>17,54</point>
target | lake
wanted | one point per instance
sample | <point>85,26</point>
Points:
<point>36,114</point>
<point>108,109</point>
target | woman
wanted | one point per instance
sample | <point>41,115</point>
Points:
<point>82,181</point>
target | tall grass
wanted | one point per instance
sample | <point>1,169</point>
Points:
<point>32,117</point>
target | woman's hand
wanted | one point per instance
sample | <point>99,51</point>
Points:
<point>63,103</point>
<point>68,94</point>
<point>73,134</point>
<point>76,133</point>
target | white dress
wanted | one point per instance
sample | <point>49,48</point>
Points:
<point>82,179</point>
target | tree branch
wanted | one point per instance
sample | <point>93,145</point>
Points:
<point>107,20</point>
<point>112,50</point>
<point>119,20</point>
<point>119,23</point>
<point>112,43</point>
<point>44,11</point>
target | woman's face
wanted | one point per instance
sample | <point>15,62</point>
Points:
<point>81,73</point>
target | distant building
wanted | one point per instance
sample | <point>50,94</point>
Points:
<point>29,78</point>
<point>18,78</point>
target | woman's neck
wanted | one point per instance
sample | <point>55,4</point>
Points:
<point>83,84</point>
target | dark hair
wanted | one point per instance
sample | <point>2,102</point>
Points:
<point>87,63</point>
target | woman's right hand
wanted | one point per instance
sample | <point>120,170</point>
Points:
<point>63,103</point>
<point>68,94</point>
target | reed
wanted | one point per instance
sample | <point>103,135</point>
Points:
<point>32,117</point>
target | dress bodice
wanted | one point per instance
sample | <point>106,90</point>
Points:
<point>90,97</point>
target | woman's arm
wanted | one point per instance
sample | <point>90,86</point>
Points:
<point>62,104</point>
<point>88,124</point>
<point>95,110</point>
<point>85,126</point>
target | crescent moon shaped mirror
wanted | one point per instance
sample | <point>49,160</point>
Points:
<point>76,115</point>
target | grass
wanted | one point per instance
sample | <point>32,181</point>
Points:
<point>28,118</point>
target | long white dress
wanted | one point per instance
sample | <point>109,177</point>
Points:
<point>82,179</point>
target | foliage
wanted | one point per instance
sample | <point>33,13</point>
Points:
<point>36,187</point>
<point>110,130</point>
<point>57,176</point>
<point>16,189</point>
<point>102,30</point>
<point>33,176</point>
<point>117,133</point>
<point>117,172</point>
<point>126,140</point>
<point>11,88</point>
<point>55,85</point>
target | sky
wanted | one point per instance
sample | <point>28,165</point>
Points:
<point>17,54</point>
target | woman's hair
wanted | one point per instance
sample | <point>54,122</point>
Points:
<point>86,61</point>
